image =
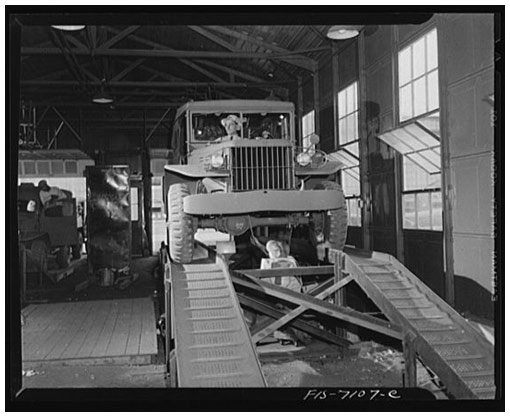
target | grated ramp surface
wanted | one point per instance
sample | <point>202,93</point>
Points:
<point>213,344</point>
<point>457,353</point>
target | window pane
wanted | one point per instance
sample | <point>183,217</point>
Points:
<point>43,167</point>
<point>350,128</point>
<point>355,95</point>
<point>404,66</point>
<point>416,178</point>
<point>341,104</point>
<point>353,148</point>
<point>432,50</point>
<point>29,167</point>
<point>342,130</point>
<point>406,103</point>
<point>423,209</point>
<point>433,91</point>
<point>431,122</point>
<point>349,100</point>
<point>356,133</point>
<point>418,58</point>
<point>437,211</point>
<point>350,181</point>
<point>409,211</point>
<point>419,97</point>
<point>351,210</point>
<point>57,167</point>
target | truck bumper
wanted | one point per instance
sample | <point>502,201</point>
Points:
<point>260,201</point>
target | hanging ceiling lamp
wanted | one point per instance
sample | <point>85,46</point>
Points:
<point>342,32</point>
<point>68,28</point>
<point>102,97</point>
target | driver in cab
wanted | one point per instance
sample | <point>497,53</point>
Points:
<point>232,125</point>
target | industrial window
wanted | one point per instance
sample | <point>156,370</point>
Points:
<point>43,168</point>
<point>348,109</point>
<point>29,167</point>
<point>418,137</point>
<point>57,167</point>
<point>418,77</point>
<point>308,128</point>
<point>349,156</point>
<point>348,152</point>
<point>71,167</point>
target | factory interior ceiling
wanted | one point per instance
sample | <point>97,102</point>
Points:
<point>155,65</point>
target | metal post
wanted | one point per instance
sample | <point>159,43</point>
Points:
<point>399,159</point>
<point>446,177</point>
<point>336,87</point>
<point>363,148</point>
<point>68,125</point>
<point>300,109</point>
<point>316,98</point>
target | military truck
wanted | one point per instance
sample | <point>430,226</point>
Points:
<point>49,228</point>
<point>251,183</point>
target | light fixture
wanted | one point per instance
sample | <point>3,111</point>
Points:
<point>342,32</point>
<point>102,97</point>
<point>68,28</point>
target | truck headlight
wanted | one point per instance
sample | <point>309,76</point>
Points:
<point>304,159</point>
<point>217,160</point>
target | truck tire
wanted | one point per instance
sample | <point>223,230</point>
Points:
<point>180,227</point>
<point>39,253</point>
<point>64,256</point>
<point>76,249</point>
<point>336,220</point>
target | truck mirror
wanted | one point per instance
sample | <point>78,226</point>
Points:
<point>314,139</point>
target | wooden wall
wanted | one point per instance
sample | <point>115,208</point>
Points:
<point>468,42</point>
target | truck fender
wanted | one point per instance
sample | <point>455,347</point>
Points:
<point>329,168</point>
<point>195,171</point>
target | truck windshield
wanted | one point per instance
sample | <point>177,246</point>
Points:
<point>209,127</point>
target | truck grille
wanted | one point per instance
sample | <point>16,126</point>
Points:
<point>262,168</point>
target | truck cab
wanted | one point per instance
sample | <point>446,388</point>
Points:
<point>257,178</point>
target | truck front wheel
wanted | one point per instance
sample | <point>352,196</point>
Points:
<point>180,226</point>
<point>334,222</point>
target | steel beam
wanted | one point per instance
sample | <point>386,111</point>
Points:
<point>156,126</point>
<point>68,125</point>
<point>202,70</point>
<point>165,53</point>
<point>304,61</point>
<point>117,38</point>
<point>230,70</point>
<point>155,84</point>
<point>55,135</point>
<point>127,70</point>
<point>165,47</point>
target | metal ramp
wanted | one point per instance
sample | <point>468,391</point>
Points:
<point>213,346</point>
<point>461,357</point>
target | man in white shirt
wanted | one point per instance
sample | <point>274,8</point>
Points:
<point>232,125</point>
<point>47,193</point>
